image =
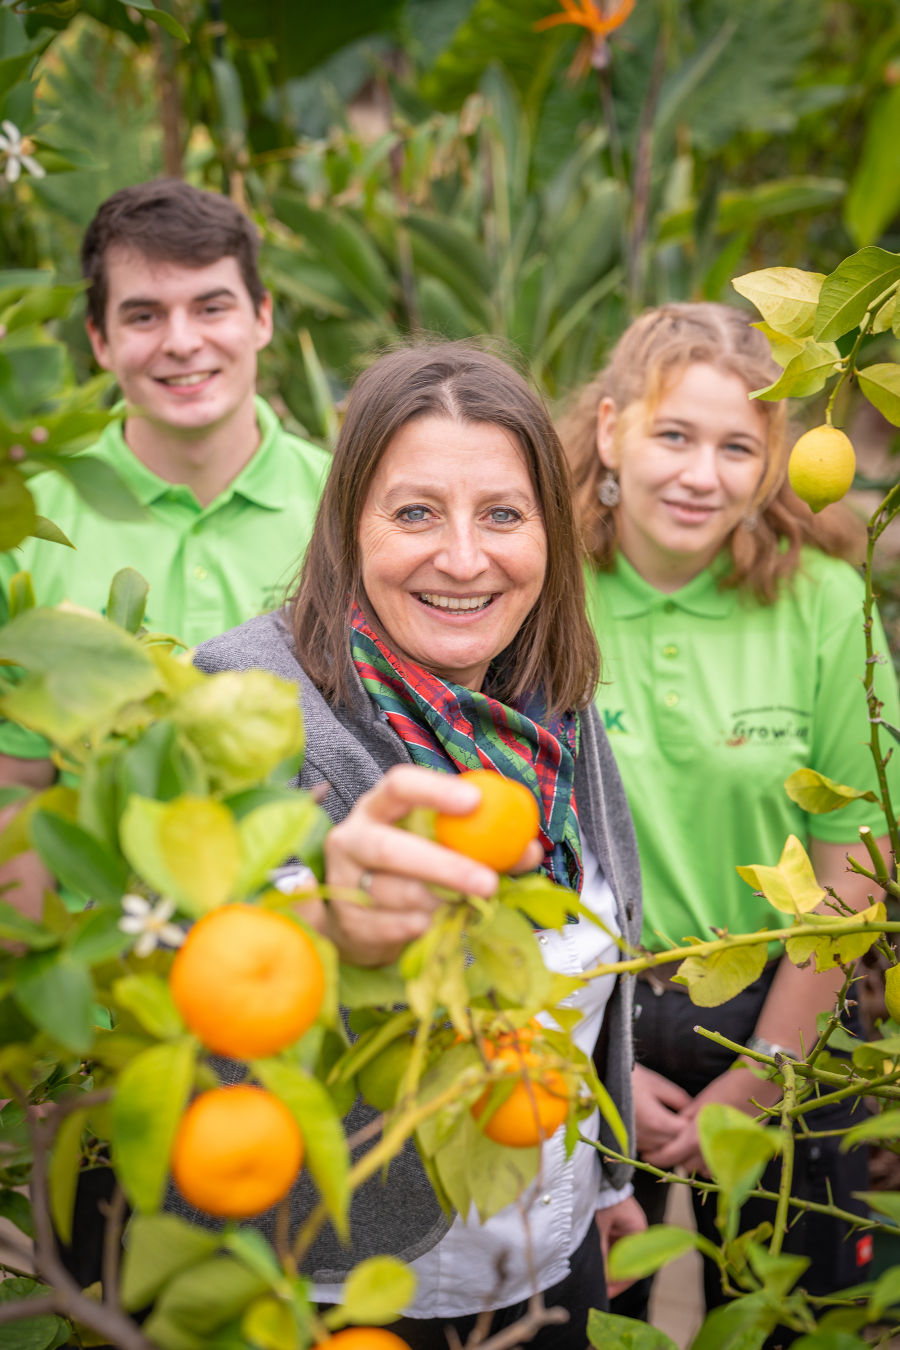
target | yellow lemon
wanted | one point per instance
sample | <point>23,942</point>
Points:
<point>822,466</point>
<point>892,992</point>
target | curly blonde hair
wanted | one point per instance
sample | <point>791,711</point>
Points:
<point>652,352</point>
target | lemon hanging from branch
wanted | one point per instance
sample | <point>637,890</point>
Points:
<point>822,466</point>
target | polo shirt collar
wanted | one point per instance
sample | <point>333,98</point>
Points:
<point>629,595</point>
<point>258,481</point>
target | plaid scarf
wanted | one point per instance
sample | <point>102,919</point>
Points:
<point>443,724</point>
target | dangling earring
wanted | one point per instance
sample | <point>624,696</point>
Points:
<point>609,491</point>
<point>750,521</point>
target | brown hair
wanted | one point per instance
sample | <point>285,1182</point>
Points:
<point>649,356</point>
<point>554,650</point>
<point>168,221</point>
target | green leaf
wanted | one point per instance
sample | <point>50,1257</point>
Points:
<point>368,986</point>
<point>791,885</point>
<point>885,1126</point>
<point>506,960</point>
<point>376,1291</point>
<point>885,1296</point>
<point>325,1144</point>
<point>186,848</point>
<point>18,517</point>
<point>873,198</point>
<point>96,937</point>
<point>151,1095</point>
<point>80,670</point>
<point>57,994</point>
<point>712,980</point>
<point>744,1324</point>
<point>833,948</point>
<point>881,386</point>
<point>786,297</point>
<point>48,529</point>
<point>98,484</point>
<point>77,858</point>
<point>883,1202</point>
<point>269,1324</point>
<point>851,288</point>
<point>640,1254</point>
<point>545,903</point>
<point>127,599</point>
<point>20,593</point>
<point>160,1246</point>
<point>256,1253</point>
<point>319,388</point>
<point>149,1000</point>
<point>346,246</point>
<point>16,1209</point>
<point>607,1331</point>
<point>40,304</point>
<point>735,1149</point>
<point>269,835</point>
<point>63,1177</point>
<point>783,347</point>
<point>197,1301</point>
<point>14,927</point>
<point>815,793</point>
<point>779,1271</point>
<point>805,374</point>
<point>159,16</point>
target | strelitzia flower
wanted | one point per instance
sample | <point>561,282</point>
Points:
<point>589,14</point>
<point>150,923</point>
<point>14,146</point>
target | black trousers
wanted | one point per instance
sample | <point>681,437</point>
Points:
<point>582,1289</point>
<point>667,1043</point>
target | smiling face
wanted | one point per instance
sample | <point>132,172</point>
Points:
<point>181,341</point>
<point>452,545</point>
<point>689,471</point>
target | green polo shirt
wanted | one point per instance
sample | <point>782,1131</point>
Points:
<point>711,700</point>
<point>209,567</point>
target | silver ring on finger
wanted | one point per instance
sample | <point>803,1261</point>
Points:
<point>365,882</point>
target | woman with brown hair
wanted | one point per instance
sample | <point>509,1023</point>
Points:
<point>439,626</point>
<point>732,640</point>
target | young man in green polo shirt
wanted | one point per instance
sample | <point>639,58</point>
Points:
<point>178,313</point>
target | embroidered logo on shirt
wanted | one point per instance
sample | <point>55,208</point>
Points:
<point>612,720</point>
<point>761,725</point>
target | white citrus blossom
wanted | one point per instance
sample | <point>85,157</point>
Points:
<point>12,145</point>
<point>150,923</point>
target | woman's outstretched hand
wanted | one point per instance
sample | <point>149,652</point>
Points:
<point>369,852</point>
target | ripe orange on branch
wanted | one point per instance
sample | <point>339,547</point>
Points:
<point>501,826</point>
<point>539,1102</point>
<point>237,1151</point>
<point>247,981</point>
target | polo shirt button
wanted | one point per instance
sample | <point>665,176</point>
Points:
<point>670,650</point>
<point>669,607</point>
<point>671,700</point>
<point>546,1198</point>
<point>200,573</point>
<point>542,939</point>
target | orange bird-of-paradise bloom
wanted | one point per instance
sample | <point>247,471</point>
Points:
<point>589,14</point>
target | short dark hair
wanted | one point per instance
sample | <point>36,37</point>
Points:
<point>555,651</point>
<point>168,221</point>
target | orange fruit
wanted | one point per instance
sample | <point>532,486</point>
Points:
<point>498,831</point>
<point>539,1102</point>
<point>363,1338</point>
<point>237,1151</point>
<point>247,981</point>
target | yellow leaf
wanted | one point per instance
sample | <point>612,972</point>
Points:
<point>715,979</point>
<point>817,794</point>
<point>786,297</point>
<point>833,947</point>
<point>791,885</point>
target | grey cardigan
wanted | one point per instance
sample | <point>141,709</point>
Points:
<point>349,747</point>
